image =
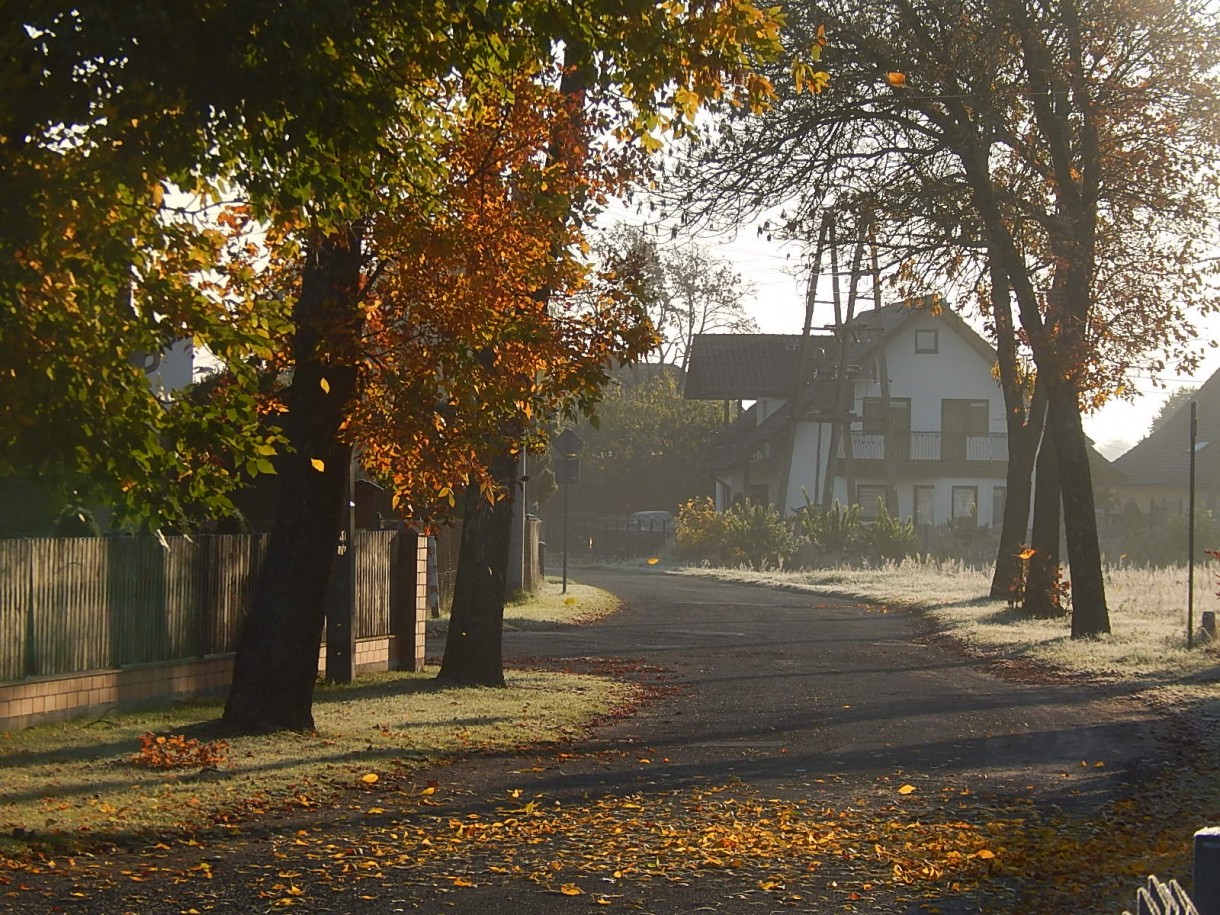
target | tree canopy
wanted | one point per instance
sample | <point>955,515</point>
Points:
<point>1059,156</point>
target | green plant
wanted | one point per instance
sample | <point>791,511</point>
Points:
<point>890,538</point>
<point>701,532</point>
<point>836,529</point>
<point>759,535</point>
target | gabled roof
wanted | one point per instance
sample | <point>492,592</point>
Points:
<point>1163,458</point>
<point>749,366</point>
<point>879,325</point>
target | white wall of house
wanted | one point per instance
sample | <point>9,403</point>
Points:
<point>178,366</point>
<point>954,371</point>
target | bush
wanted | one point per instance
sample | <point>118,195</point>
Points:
<point>890,538</point>
<point>701,532</point>
<point>755,535</point>
<point>835,530</point>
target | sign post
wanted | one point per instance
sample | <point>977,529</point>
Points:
<point>567,472</point>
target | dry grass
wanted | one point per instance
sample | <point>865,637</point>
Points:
<point>550,608</point>
<point>76,781</point>
<point>1147,647</point>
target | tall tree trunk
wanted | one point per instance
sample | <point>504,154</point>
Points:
<point>1022,449</point>
<point>1090,615</point>
<point>1039,602</point>
<point>1024,430</point>
<point>277,657</point>
<point>473,648</point>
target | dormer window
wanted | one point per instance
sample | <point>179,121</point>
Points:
<point>926,341</point>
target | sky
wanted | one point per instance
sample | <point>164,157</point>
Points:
<point>778,305</point>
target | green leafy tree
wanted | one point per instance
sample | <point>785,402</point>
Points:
<point>643,452</point>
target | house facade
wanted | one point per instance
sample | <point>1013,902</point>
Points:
<point>941,456</point>
<point>1154,475</point>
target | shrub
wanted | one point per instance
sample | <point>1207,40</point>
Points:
<point>701,532</point>
<point>759,535</point>
<point>890,538</point>
<point>746,533</point>
<point>835,530</point>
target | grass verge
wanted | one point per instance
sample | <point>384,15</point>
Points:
<point>84,782</point>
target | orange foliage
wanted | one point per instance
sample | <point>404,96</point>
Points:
<point>482,314</point>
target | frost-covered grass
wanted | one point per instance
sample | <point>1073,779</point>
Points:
<point>1148,611</point>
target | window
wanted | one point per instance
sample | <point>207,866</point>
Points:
<point>871,499</point>
<point>898,445</point>
<point>925,504</point>
<point>926,341</point>
<point>759,494</point>
<point>874,416</point>
<point>960,420</point>
<point>966,505</point>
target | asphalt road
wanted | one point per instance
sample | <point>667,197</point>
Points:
<point>770,700</point>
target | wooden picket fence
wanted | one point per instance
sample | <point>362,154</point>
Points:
<point>72,605</point>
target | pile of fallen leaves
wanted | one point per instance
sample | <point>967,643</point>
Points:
<point>179,752</point>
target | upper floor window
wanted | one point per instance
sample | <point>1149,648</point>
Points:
<point>927,341</point>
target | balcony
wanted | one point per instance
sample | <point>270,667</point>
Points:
<point>920,447</point>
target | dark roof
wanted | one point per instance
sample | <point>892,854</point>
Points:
<point>1163,458</point>
<point>748,366</point>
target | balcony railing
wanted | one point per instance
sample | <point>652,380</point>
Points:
<point>928,446</point>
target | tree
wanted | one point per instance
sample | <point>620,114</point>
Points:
<point>643,452</point>
<point>626,89</point>
<point>1063,154</point>
<point>320,122</point>
<point>687,291</point>
<point>1175,401</point>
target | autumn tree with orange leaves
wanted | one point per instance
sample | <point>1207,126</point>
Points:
<point>478,282</point>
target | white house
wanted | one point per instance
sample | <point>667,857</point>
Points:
<point>176,367</point>
<point>945,452</point>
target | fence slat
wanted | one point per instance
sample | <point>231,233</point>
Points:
<point>15,608</point>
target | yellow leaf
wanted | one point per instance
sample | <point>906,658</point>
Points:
<point>317,464</point>
<point>431,789</point>
<point>602,900</point>
<point>571,889</point>
<point>516,792</point>
<point>985,854</point>
<point>462,881</point>
<point>896,79</point>
<point>294,891</point>
<point>325,385</point>
<point>653,561</point>
<point>375,810</point>
<point>906,789</point>
<point>370,779</point>
<point>1027,553</point>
